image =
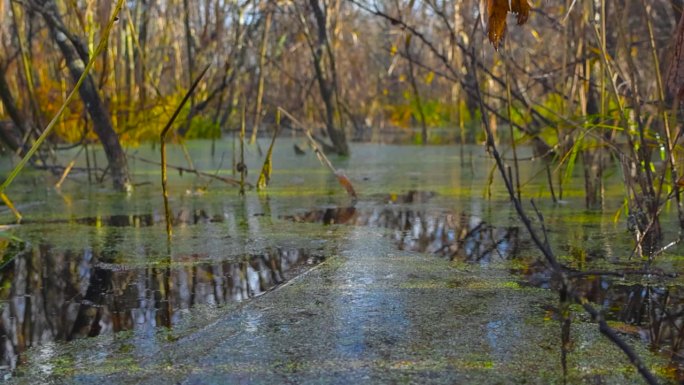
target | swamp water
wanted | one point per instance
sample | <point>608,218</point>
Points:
<point>428,278</point>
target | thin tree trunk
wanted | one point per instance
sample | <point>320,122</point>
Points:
<point>677,6</point>
<point>27,65</point>
<point>75,56</point>
<point>325,85</point>
<point>416,93</point>
<point>675,73</point>
<point>6,135</point>
<point>260,85</point>
<point>189,47</point>
<point>139,53</point>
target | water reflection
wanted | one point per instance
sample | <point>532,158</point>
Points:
<point>48,295</point>
<point>636,303</point>
<point>653,312</point>
<point>189,217</point>
<point>456,235</point>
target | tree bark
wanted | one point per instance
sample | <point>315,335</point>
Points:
<point>139,56</point>
<point>326,84</point>
<point>675,73</point>
<point>75,55</point>
<point>6,135</point>
<point>677,6</point>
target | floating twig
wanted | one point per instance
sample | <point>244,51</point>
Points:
<point>182,169</point>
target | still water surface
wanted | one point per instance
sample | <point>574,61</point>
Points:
<point>93,262</point>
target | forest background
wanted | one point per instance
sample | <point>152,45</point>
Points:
<point>593,86</point>
<point>581,80</point>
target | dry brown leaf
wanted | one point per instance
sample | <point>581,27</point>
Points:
<point>346,183</point>
<point>680,182</point>
<point>497,11</point>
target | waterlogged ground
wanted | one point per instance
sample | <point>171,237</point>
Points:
<point>428,278</point>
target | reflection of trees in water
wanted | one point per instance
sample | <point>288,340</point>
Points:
<point>652,312</point>
<point>49,295</point>
<point>459,236</point>
<point>657,311</point>
<point>183,216</point>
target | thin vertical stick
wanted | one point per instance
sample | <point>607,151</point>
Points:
<point>509,99</point>
<point>26,68</point>
<point>461,126</point>
<point>550,179</point>
<point>85,148</point>
<point>93,153</point>
<point>414,88</point>
<point>165,131</point>
<point>165,190</point>
<point>260,83</point>
<point>234,168</point>
<point>241,166</point>
<point>189,45</point>
<point>87,156</point>
<point>186,154</point>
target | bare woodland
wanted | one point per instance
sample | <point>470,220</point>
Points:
<point>590,85</point>
<point>350,68</point>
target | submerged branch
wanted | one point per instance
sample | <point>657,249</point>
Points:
<point>182,169</point>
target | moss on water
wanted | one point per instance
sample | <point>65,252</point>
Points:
<point>370,313</point>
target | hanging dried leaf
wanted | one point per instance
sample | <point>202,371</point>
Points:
<point>680,182</point>
<point>346,183</point>
<point>497,11</point>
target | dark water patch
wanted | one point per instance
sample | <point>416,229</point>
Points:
<point>52,295</point>
<point>190,217</point>
<point>459,236</point>
<point>134,220</point>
